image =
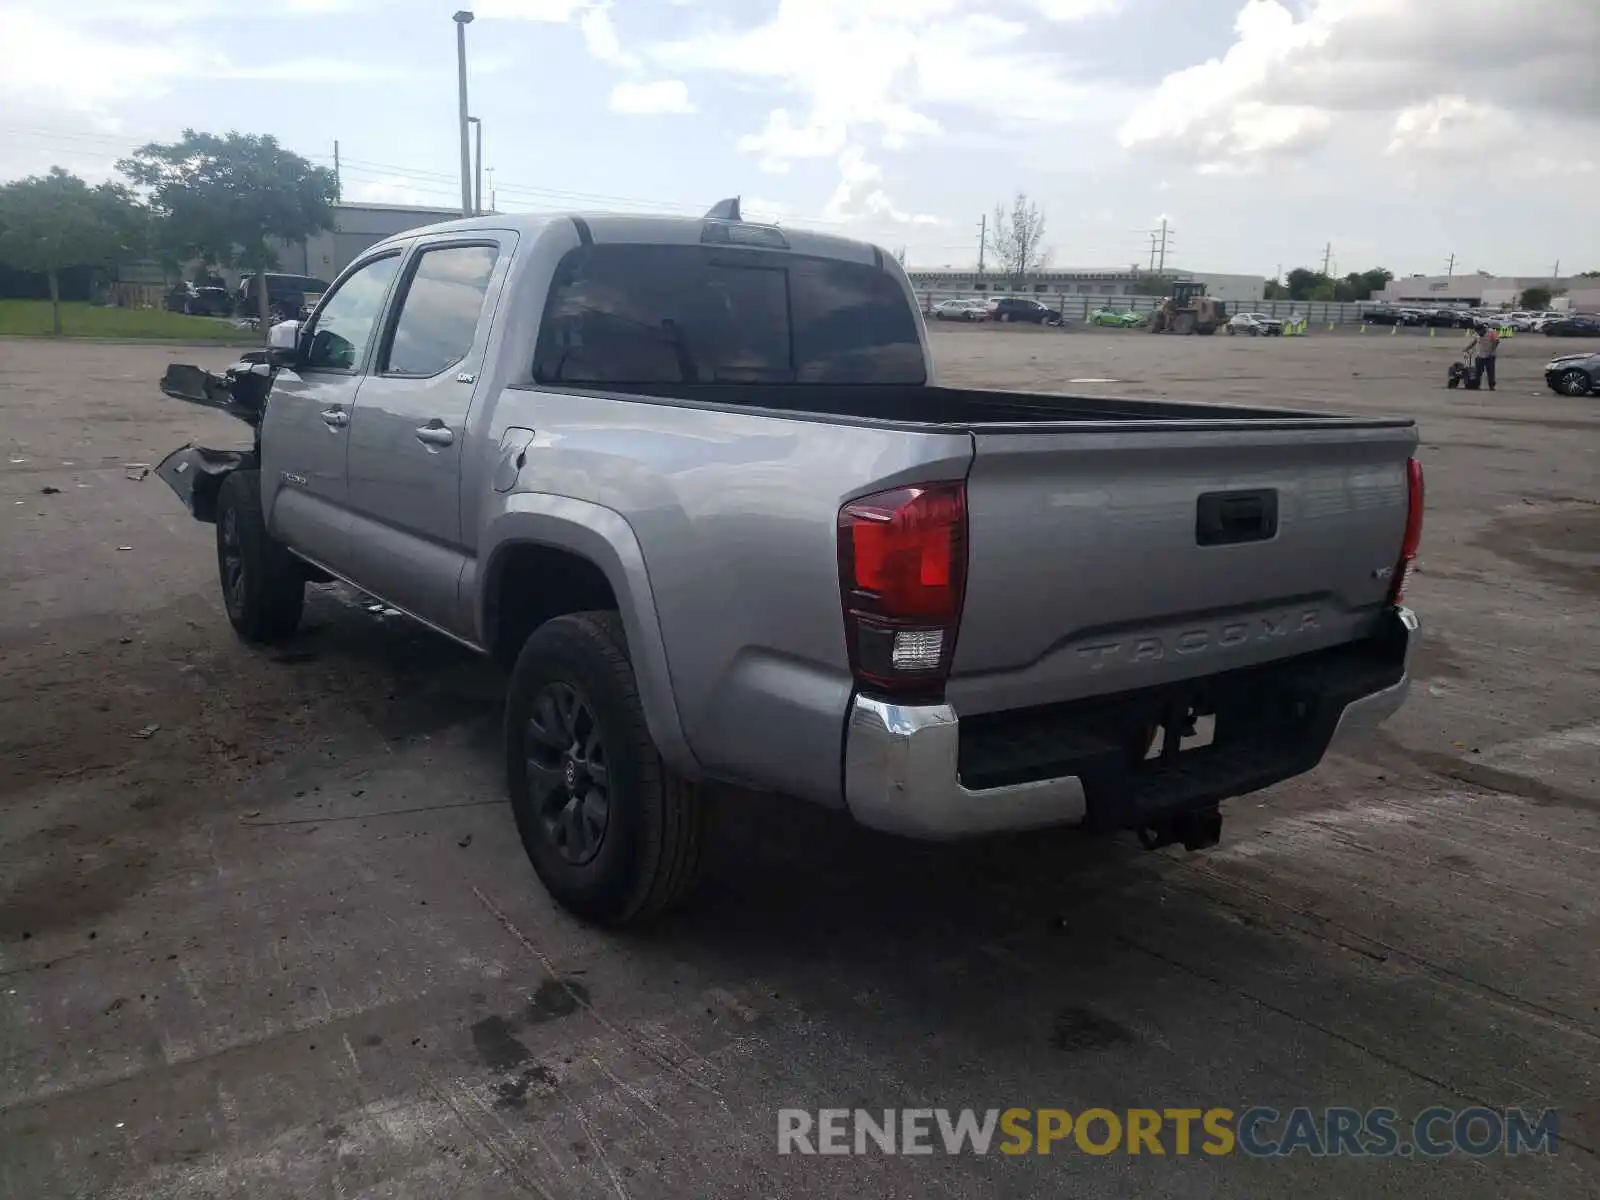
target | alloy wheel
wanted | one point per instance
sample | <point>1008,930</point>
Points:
<point>569,776</point>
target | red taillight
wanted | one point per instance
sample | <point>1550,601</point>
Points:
<point>1413,538</point>
<point>903,574</point>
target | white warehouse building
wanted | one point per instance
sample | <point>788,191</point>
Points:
<point>1577,292</point>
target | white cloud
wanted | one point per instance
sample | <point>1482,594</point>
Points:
<point>660,96</point>
<point>554,12</point>
<point>1077,10</point>
<point>324,71</point>
<point>1209,110</point>
<point>1359,68</point>
<point>600,36</point>
<point>33,49</point>
<point>873,68</point>
<point>863,75</point>
<point>860,194</point>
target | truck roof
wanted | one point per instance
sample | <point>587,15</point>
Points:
<point>649,229</point>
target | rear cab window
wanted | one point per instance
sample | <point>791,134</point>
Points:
<point>646,314</point>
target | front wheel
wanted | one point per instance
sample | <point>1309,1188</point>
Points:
<point>1572,383</point>
<point>263,586</point>
<point>613,835</point>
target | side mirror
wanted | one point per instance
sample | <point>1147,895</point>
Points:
<point>283,343</point>
<point>285,335</point>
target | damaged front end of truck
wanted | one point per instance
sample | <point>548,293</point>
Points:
<point>194,472</point>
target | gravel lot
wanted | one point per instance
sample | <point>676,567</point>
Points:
<point>266,930</point>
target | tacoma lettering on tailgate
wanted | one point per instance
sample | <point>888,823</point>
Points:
<point>1152,647</point>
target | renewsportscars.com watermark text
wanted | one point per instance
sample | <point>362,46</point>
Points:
<point>1259,1131</point>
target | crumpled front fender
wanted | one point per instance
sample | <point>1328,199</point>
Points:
<point>195,474</point>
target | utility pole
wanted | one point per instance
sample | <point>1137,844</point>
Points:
<point>1161,246</point>
<point>492,206</point>
<point>336,180</point>
<point>983,240</point>
<point>477,185</point>
<point>462,19</point>
<point>1327,253</point>
<point>1450,268</point>
<point>1152,252</point>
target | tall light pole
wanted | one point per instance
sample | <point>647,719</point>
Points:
<point>462,20</point>
<point>477,171</point>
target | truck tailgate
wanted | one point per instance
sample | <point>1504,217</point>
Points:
<point>1103,560</point>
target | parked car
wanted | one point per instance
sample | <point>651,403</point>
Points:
<point>1540,320</point>
<point>1255,324</point>
<point>1382,314</point>
<point>1573,325</point>
<point>961,310</point>
<point>1116,319</point>
<point>1020,308</point>
<point>1414,316</point>
<point>571,442</point>
<point>199,300</point>
<point>1574,374</point>
<point>1448,318</point>
<point>286,294</point>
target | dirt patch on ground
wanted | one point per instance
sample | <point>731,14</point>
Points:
<point>1557,542</point>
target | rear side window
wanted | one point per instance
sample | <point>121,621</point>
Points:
<point>439,312</point>
<point>631,314</point>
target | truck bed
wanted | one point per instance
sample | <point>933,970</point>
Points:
<point>970,407</point>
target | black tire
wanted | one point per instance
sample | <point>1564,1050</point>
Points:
<point>1572,383</point>
<point>646,856</point>
<point>263,586</point>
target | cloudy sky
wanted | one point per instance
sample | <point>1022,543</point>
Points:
<point>1399,131</point>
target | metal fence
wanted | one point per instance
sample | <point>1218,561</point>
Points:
<point>1077,308</point>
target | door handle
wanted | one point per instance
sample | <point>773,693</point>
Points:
<point>335,418</point>
<point>433,434</point>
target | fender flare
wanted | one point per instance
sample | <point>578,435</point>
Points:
<point>603,537</point>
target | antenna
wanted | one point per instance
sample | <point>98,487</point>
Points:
<point>725,210</point>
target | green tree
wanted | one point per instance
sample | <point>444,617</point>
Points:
<point>1537,298</point>
<point>50,222</point>
<point>1302,282</point>
<point>226,198</point>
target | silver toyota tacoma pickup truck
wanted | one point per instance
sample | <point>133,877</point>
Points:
<point>694,482</point>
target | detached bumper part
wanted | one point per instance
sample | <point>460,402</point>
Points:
<point>902,774</point>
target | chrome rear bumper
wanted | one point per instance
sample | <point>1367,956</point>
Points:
<point>901,766</point>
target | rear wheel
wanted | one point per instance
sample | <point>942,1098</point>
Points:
<point>263,586</point>
<point>613,835</point>
<point>1572,383</point>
